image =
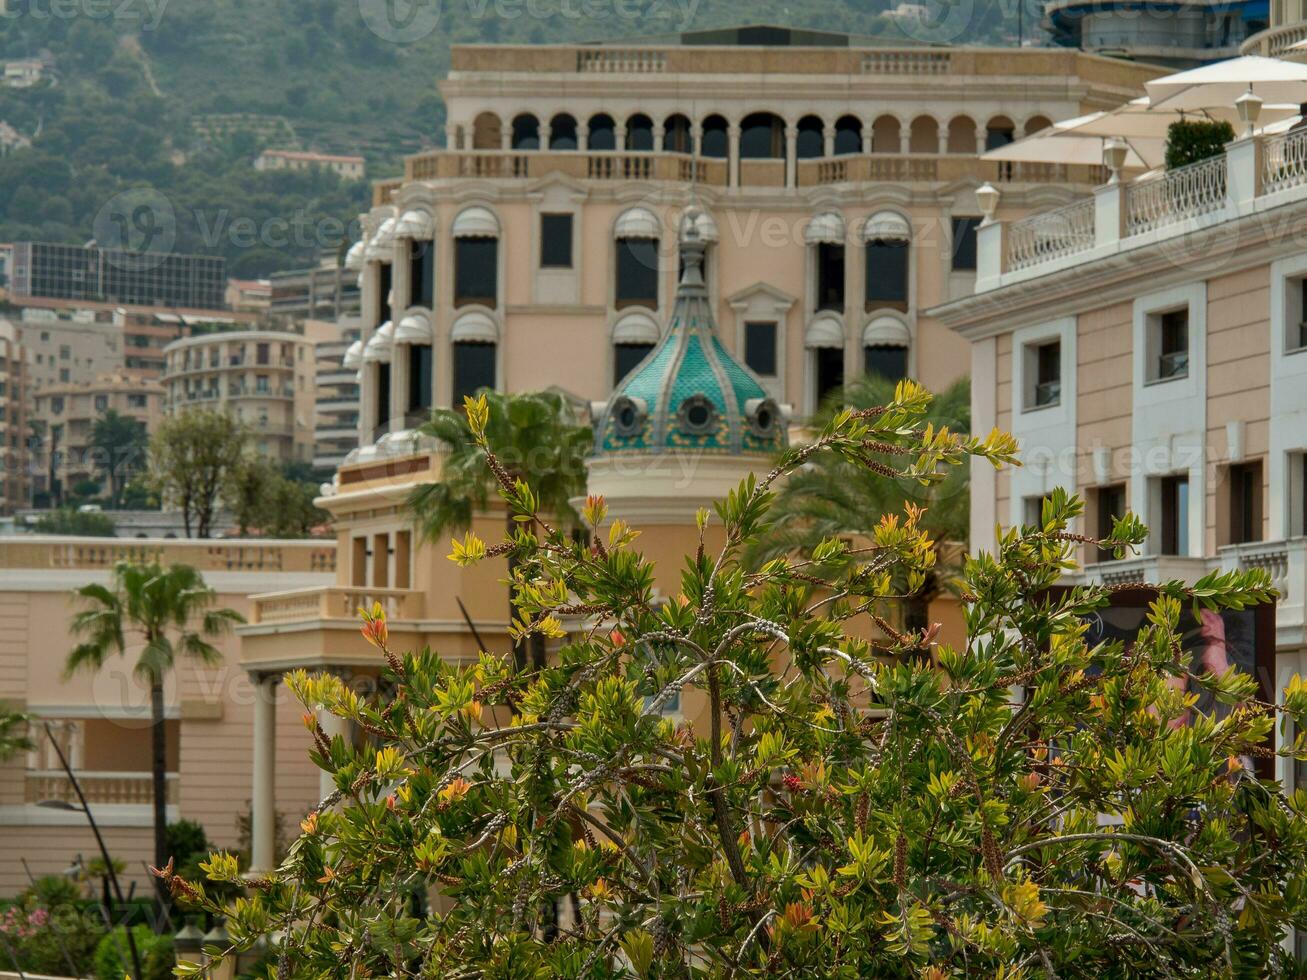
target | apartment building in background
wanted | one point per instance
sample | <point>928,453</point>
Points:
<point>65,415</point>
<point>14,482</point>
<point>336,406</point>
<point>46,270</point>
<point>263,377</point>
<point>71,349</point>
<point>322,291</point>
<point>1148,347</point>
<point>347,166</point>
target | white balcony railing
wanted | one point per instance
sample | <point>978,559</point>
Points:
<point>1051,235</point>
<point>1185,192</point>
<point>335,602</point>
<point>1147,569</point>
<point>102,788</point>
<point>1286,563</point>
<point>1284,162</point>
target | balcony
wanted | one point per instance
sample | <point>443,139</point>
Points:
<point>336,602</point>
<point>1146,569</point>
<point>1252,176</point>
<point>1286,563</point>
<point>100,788</point>
<point>37,552</point>
<point>1276,42</point>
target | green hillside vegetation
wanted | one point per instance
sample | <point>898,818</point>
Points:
<point>179,97</point>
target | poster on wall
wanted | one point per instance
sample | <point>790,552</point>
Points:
<point>1213,642</point>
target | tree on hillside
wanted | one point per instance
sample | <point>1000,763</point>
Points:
<point>836,496</point>
<point>1032,805</point>
<point>536,438</point>
<point>119,446</point>
<point>160,614</point>
<point>192,456</point>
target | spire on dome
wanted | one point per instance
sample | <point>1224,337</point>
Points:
<point>689,392</point>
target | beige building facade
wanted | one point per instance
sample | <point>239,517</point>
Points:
<point>263,377</point>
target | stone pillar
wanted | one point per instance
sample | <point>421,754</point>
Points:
<point>827,140</point>
<point>696,138</point>
<point>791,156</point>
<point>619,136</point>
<point>263,818</point>
<point>451,136</point>
<point>506,136</point>
<point>905,138</point>
<point>582,136</point>
<point>733,155</point>
<point>659,134</point>
<point>943,138</point>
<point>980,140</point>
<point>331,727</point>
<point>546,131</point>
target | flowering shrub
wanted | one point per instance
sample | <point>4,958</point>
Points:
<point>52,941</point>
<point>1027,805</point>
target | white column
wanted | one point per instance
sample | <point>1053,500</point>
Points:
<point>451,136</point>
<point>659,134</point>
<point>791,156</point>
<point>943,139</point>
<point>733,154</point>
<point>905,138</point>
<point>582,136</point>
<point>981,133</point>
<point>506,136</point>
<point>263,820</point>
<point>827,140</point>
<point>546,131</point>
<point>696,138</point>
<point>331,727</point>
<point>619,137</point>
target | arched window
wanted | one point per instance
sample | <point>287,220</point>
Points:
<point>637,235</point>
<point>676,134</point>
<point>824,341</point>
<point>887,236</point>
<point>474,339</point>
<point>639,133</point>
<point>603,134</point>
<point>825,233</point>
<point>885,136</point>
<point>562,132</point>
<point>486,130</point>
<point>526,132</point>
<point>476,257</point>
<point>715,142</point>
<point>413,341</point>
<point>811,141</point>
<point>885,345</point>
<point>848,135</point>
<point>923,137</point>
<point>999,131</point>
<point>962,135</point>
<point>762,137</point>
<point>1035,123</point>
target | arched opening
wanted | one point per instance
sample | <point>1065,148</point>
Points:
<point>486,132</point>
<point>885,137</point>
<point>603,133</point>
<point>848,135</point>
<point>999,131</point>
<point>636,267</point>
<point>676,134</point>
<point>714,142</point>
<point>1035,123</point>
<point>961,135</point>
<point>562,132</point>
<point>526,132</point>
<point>811,141</point>
<point>639,133</point>
<point>762,137</point>
<point>923,137</point>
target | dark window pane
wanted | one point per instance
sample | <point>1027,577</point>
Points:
<point>762,136</point>
<point>422,273</point>
<point>830,276</point>
<point>995,138</point>
<point>713,141</point>
<point>676,135</point>
<point>474,368</point>
<point>419,377</point>
<point>890,363</point>
<point>1245,503</point>
<point>887,272</point>
<point>626,357</point>
<point>830,370</point>
<point>476,271</point>
<point>964,242</point>
<point>384,312</point>
<point>1175,515</point>
<point>637,272</point>
<point>848,137</point>
<point>383,395</point>
<point>639,134</point>
<point>556,241</point>
<point>526,133</point>
<point>1111,505</point>
<point>562,133</point>
<point>603,135</point>
<point>810,142</point>
<point>760,347</point>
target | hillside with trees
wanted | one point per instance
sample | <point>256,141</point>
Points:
<point>178,99</point>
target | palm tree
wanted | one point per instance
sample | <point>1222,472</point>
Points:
<point>166,611</point>
<point>832,497</point>
<point>536,438</point>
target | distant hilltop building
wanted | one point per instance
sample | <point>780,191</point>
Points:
<point>105,275</point>
<point>11,139</point>
<point>349,167</point>
<point>22,73</point>
<point>1180,33</point>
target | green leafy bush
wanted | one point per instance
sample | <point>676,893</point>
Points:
<point>820,810</point>
<point>113,958</point>
<point>1191,140</point>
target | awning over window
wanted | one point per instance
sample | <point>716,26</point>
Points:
<point>379,246</point>
<point>378,346</point>
<point>474,326</point>
<point>636,223</point>
<point>826,227</point>
<point>825,330</point>
<point>414,328</point>
<point>354,257</point>
<point>476,222</point>
<point>353,355</point>
<point>636,328</point>
<point>416,224</point>
<point>886,331</point>
<point>887,226</point>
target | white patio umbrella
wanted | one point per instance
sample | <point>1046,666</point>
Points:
<point>1139,119</point>
<point>1064,142</point>
<point>1222,82</point>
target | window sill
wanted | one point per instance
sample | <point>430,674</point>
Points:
<point>1031,409</point>
<point>1161,381</point>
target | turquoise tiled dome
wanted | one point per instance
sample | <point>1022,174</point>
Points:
<point>689,392</point>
